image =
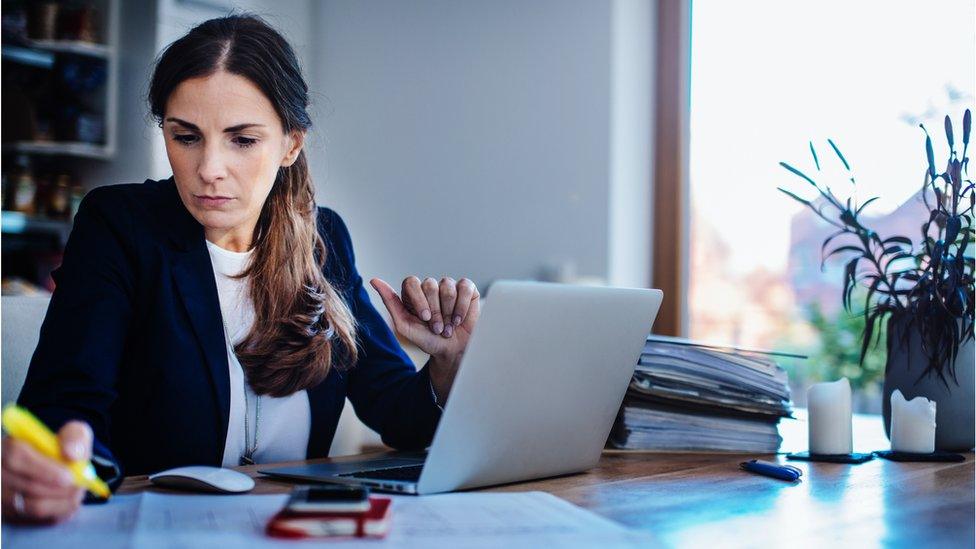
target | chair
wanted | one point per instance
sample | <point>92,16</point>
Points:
<point>21,325</point>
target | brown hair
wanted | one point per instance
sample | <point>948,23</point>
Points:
<point>301,321</point>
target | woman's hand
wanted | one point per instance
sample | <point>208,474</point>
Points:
<point>36,488</point>
<point>438,317</point>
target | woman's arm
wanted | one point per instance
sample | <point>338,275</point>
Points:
<point>386,390</point>
<point>73,372</point>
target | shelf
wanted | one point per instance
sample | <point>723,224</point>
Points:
<point>76,47</point>
<point>62,148</point>
<point>29,56</point>
<point>20,223</point>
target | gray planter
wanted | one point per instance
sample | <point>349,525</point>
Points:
<point>955,420</point>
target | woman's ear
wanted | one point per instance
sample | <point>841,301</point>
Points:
<point>293,146</point>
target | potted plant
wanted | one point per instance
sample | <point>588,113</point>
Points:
<point>923,290</point>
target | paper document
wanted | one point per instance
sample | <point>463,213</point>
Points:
<point>152,520</point>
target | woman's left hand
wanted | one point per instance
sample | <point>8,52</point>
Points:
<point>438,317</point>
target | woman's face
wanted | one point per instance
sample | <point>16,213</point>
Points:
<point>225,143</point>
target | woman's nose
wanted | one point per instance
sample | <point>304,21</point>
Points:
<point>212,165</point>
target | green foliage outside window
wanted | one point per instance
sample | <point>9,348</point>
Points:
<point>839,350</point>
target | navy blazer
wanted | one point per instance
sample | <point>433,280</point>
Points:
<point>133,341</point>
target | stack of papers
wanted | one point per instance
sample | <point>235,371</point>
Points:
<point>686,396</point>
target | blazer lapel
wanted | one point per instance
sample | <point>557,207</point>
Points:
<point>194,277</point>
<point>194,280</point>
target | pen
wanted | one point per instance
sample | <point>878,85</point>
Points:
<point>22,425</point>
<point>770,469</point>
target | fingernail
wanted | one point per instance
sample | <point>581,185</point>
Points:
<point>448,330</point>
<point>438,327</point>
<point>76,450</point>
<point>67,479</point>
<point>425,316</point>
<point>457,320</point>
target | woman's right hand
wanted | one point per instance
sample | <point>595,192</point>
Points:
<point>36,488</point>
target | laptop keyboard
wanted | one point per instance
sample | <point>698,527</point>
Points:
<point>408,473</point>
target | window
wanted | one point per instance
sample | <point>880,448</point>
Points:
<point>767,77</point>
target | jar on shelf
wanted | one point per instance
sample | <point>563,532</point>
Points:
<point>59,199</point>
<point>43,21</point>
<point>23,188</point>
<point>42,193</point>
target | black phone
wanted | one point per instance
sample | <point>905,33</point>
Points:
<point>329,498</point>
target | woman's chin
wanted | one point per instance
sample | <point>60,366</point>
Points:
<point>217,219</point>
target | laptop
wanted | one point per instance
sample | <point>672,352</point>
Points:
<point>535,395</point>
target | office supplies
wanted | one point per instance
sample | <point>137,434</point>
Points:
<point>829,409</point>
<point>329,498</point>
<point>770,469</point>
<point>373,522</point>
<point>22,425</point>
<point>912,424</point>
<point>853,458</point>
<point>535,395</point>
<point>686,396</point>
<point>150,520</point>
<point>204,478</point>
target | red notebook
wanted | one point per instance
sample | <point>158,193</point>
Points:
<point>372,523</point>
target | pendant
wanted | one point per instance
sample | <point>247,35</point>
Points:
<point>246,460</point>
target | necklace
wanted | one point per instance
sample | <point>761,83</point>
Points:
<point>248,457</point>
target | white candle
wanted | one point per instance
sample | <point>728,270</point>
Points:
<point>912,424</point>
<point>829,407</point>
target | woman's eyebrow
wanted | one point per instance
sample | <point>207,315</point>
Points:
<point>231,129</point>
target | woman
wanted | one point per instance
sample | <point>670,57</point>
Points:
<point>217,317</point>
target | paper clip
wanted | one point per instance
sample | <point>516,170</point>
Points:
<point>770,469</point>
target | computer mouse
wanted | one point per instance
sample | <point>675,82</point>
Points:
<point>204,478</point>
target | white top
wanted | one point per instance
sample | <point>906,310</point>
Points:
<point>285,422</point>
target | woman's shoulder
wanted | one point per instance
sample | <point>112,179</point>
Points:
<point>137,211</point>
<point>130,202</point>
<point>143,195</point>
<point>340,260</point>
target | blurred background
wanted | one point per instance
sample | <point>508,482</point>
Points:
<point>622,142</point>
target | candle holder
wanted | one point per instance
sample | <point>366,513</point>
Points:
<point>853,457</point>
<point>831,439</point>
<point>892,455</point>
<point>913,431</point>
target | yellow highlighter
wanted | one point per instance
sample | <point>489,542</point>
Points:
<point>22,425</point>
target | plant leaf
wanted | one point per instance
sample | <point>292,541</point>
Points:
<point>870,200</point>
<point>845,249</point>
<point>899,240</point>
<point>948,130</point>
<point>839,155</point>
<point>798,172</point>
<point>815,159</point>
<point>929,154</point>
<point>952,229</point>
<point>967,124</point>
<point>794,197</point>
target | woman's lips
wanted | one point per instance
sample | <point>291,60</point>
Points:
<point>212,201</point>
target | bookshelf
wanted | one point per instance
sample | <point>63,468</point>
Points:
<point>60,104</point>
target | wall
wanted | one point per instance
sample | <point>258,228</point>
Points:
<point>475,138</point>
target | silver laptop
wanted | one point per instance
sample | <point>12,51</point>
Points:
<point>535,395</point>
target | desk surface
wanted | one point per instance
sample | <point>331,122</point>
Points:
<point>690,500</point>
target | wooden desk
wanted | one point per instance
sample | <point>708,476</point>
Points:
<point>704,500</point>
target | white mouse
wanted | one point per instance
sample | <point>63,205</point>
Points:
<point>204,478</point>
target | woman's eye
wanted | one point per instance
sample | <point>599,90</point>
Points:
<point>185,139</point>
<point>244,142</point>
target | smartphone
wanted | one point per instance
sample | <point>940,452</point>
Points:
<point>329,498</point>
